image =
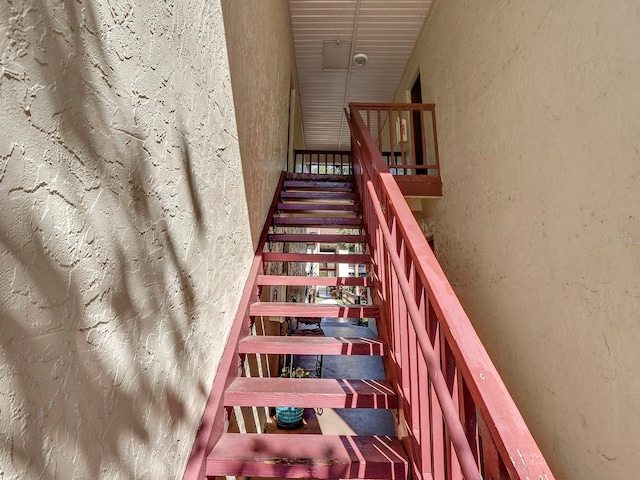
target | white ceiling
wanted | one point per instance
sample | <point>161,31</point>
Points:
<point>385,30</point>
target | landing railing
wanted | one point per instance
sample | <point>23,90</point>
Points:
<point>321,161</point>
<point>457,419</point>
<point>405,134</point>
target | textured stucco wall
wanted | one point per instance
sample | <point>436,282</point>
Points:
<point>261,60</point>
<point>538,109</point>
<point>124,233</point>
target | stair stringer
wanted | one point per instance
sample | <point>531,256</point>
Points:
<point>215,417</point>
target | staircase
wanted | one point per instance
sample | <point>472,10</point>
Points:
<point>319,202</point>
<point>453,413</point>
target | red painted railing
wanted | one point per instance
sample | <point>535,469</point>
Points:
<point>321,161</point>
<point>457,419</point>
<point>405,134</point>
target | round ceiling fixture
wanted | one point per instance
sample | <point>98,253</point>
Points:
<point>359,59</point>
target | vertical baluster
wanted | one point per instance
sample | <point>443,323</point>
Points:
<point>437,421</point>
<point>390,309</point>
<point>395,316</point>
<point>435,137</point>
<point>392,148</point>
<point>425,146</point>
<point>451,375</point>
<point>424,424</point>
<point>412,130</point>
<point>379,137</point>
<point>401,134</point>
<point>469,416</point>
<point>492,466</point>
<point>382,262</point>
<point>405,328</point>
<point>414,361</point>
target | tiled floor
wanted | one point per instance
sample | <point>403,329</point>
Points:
<point>360,421</point>
<point>345,421</point>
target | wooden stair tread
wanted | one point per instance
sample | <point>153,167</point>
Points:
<point>315,238</point>
<point>308,207</point>
<point>317,257</point>
<point>317,221</point>
<point>285,280</point>
<point>318,456</point>
<point>310,393</point>
<point>310,345</point>
<point>315,310</point>
<point>331,177</point>
<point>318,185</point>
<point>311,195</point>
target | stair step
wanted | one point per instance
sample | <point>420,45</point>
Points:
<point>319,177</point>
<point>291,281</point>
<point>318,456</point>
<point>313,310</point>
<point>317,221</point>
<point>315,238</point>
<point>318,195</point>
<point>358,258</point>
<point>315,207</point>
<point>318,185</point>
<point>303,345</point>
<point>310,393</point>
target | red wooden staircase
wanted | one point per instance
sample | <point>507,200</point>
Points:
<point>320,202</point>
<point>454,418</point>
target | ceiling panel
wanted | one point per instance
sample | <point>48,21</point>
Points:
<point>385,30</point>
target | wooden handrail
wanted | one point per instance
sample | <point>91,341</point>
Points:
<point>456,432</point>
<point>416,292</point>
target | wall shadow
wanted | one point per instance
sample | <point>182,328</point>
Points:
<point>96,351</point>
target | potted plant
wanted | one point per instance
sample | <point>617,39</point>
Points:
<point>291,417</point>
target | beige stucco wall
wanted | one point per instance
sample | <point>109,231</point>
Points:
<point>262,66</point>
<point>124,233</point>
<point>261,61</point>
<point>538,109</point>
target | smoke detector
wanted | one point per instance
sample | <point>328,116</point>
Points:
<point>359,59</point>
